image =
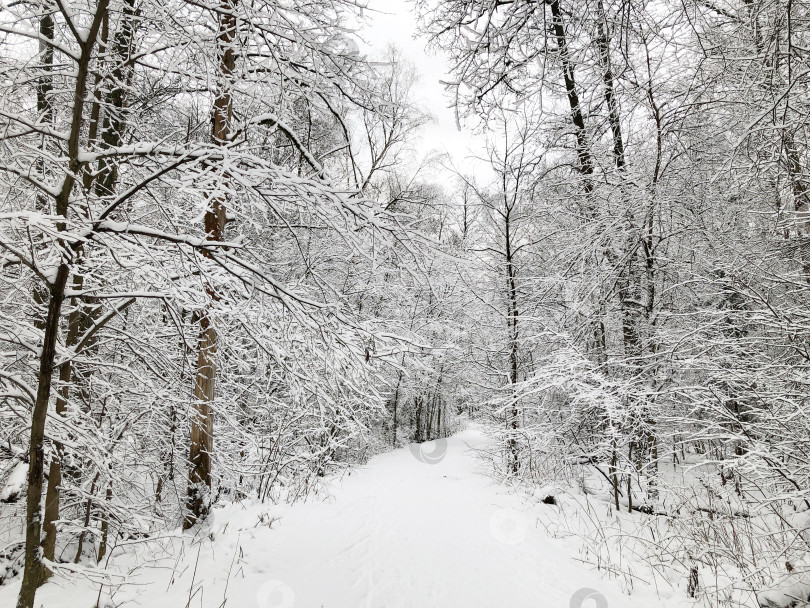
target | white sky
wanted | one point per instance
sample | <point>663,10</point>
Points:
<point>393,22</point>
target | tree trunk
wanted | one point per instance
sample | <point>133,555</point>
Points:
<point>34,570</point>
<point>396,406</point>
<point>614,472</point>
<point>55,468</point>
<point>202,425</point>
<point>45,115</point>
<point>512,324</point>
<point>105,527</point>
<point>45,111</point>
<point>418,430</point>
<point>584,157</point>
<point>104,180</point>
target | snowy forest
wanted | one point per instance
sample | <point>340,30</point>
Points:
<point>263,343</point>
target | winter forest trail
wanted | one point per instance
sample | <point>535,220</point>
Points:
<point>396,533</point>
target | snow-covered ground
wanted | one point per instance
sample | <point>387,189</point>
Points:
<point>417,527</point>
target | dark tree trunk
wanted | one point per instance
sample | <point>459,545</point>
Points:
<point>52,493</point>
<point>104,180</point>
<point>34,572</point>
<point>396,406</point>
<point>584,157</point>
<point>512,325</point>
<point>202,424</point>
<point>45,112</point>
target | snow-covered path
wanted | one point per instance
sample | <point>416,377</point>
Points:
<point>406,532</point>
<point>396,533</point>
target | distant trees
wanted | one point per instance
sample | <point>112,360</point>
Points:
<point>504,231</point>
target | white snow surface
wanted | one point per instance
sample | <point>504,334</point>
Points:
<point>402,531</point>
<point>15,483</point>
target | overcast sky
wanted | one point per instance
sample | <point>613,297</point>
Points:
<point>393,22</point>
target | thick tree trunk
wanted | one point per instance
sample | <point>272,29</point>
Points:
<point>202,427</point>
<point>35,572</point>
<point>202,424</point>
<point>45,111</point>
<point>629,271</point>
<point>603,45</point>
<point>585,158</point>
<point>637,275</point>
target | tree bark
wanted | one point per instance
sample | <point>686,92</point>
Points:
<point>202,425</point>
<point>584,157</point>
<point>396,407</point>
<point>55,469</point>
<point>34,570</point>
<point>45,116</point>
<point>512,324</point>
<point>104,180</point>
